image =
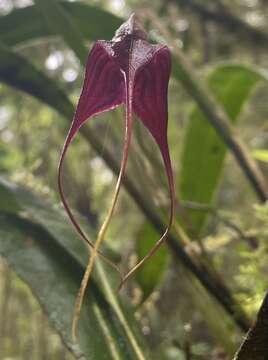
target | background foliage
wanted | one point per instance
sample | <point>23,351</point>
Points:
<point>196,298</point>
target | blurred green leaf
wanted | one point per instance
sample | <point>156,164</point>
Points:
<point>53,276</point>
<point>50,257</point>
<point>8,202</point>
<point>16,71</point>
<point>150,273</point>
<point>61,22</point>
<point>203,151</point>
<point>23,25</point>
<point>261,155</point>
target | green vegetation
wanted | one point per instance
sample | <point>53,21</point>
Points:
<point>196,298</point>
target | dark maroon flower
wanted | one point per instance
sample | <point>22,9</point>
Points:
<point>126,70</point>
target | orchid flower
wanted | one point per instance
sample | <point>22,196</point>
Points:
<point>126,70</point>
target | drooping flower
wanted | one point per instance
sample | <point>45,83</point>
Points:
<point>126,70</point>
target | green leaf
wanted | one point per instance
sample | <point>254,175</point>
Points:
<point>261,155</point>
<point>16,71</point>
<point>8,201</point>
<point>49,256</point>
<point>23,25</point>
<point>203,151</point>
<point>60,21</point>
<point>149,275</point>
<point>53,277</point>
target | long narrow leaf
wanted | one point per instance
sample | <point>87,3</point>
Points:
<point>204,151</point>
<point>24,25</point>
<point>61,22</point>
<point>16,71</point>
<point>48,255</point>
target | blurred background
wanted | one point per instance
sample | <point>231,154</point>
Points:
<point>221,224</point>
